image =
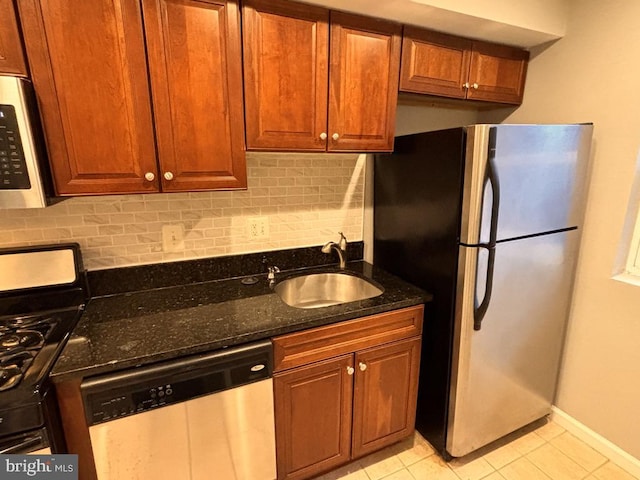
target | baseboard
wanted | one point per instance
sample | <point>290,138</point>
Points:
<point>596,441</point>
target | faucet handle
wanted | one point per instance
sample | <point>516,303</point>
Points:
<point>272,272</point>
<point>342,243</point>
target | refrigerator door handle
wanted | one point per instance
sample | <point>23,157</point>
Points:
<point>480,310</point>
<point>491,178</point>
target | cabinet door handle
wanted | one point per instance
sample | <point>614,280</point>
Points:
<point>335,136</point>
<point>168,176</point>
<point>465,85</point>
<point>363,366</point>
<point>323,136</point>
<point>475,86</point>
<point>350,370</point>
<point>149,176</point>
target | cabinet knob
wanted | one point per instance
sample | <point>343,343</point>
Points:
<point>465,85</point>
<point>350,370</point>
<point>149,176</point>
<point>475,85</point>
<point>335,136</point>
<point>363,366</point>
<point>168,176</point>
<point>323,136</point>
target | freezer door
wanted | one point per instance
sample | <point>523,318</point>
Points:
<point>540,174</point>
<point>504,375</point>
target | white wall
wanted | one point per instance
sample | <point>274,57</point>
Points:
<point>593,74</point>
<point>544,15</point>
<point>513,22</point>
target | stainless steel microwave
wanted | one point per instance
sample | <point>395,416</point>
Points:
<point>23,172</point>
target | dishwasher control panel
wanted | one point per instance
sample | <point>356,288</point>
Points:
<point>123,394</point>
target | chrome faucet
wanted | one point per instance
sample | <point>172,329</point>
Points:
<point>271,276</point>
<point>340,247</point>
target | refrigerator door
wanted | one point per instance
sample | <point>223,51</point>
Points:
<point>540,173</point>
<point>504,375</point>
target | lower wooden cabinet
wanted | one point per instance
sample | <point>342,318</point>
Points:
<point>313,417</point>
<point>384,399</point>
<point>333,410</point>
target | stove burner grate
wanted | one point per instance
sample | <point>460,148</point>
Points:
<point>21,338</point>
<point>12,368</point>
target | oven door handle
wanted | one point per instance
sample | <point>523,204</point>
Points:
<point>29,442</point>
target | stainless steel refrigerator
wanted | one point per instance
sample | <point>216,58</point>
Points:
<point>487,218</point>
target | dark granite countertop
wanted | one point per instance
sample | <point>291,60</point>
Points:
<point>130,329</point>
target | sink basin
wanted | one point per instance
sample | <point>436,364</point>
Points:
<point>317,290</point>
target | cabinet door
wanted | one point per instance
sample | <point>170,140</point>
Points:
<point>11,55</point>
<point>285,75</point>
<point>313,417</point>
<point>89,68</point>
<point>365,62</point>
<point>434,63</point>
<point>195,65</point>
<point>386,389</point>
<point>497,73</point>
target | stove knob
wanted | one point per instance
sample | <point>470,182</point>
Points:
<point>169,391</point>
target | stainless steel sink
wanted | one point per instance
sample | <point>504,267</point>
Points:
<point>317,290</point>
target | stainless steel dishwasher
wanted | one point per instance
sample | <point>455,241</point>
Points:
<point>203,417</point>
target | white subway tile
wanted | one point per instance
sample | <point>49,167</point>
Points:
<point>307,198</point>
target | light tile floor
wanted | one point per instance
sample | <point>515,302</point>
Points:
<point>542,452</point>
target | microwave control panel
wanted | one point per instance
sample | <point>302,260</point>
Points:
<point>13,168</point>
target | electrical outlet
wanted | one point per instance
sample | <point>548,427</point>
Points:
<point>173,238</point>
<point>258,227</point>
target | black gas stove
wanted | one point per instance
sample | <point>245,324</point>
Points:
<point>36,320</point>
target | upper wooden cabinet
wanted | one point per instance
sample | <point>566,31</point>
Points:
<point>89,69</point>
<point>434,63</point>
<point>497,73</point>
<point>11,54</point>
<point>196,82</point>
<point>286,62</point>
<point>444,65</point>
<point>94,96</point>
<point>363,83</point>
<point>301,94</point>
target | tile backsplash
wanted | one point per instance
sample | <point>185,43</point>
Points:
<point>304,198</point>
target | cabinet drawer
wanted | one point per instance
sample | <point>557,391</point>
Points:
<point>315,344</point>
